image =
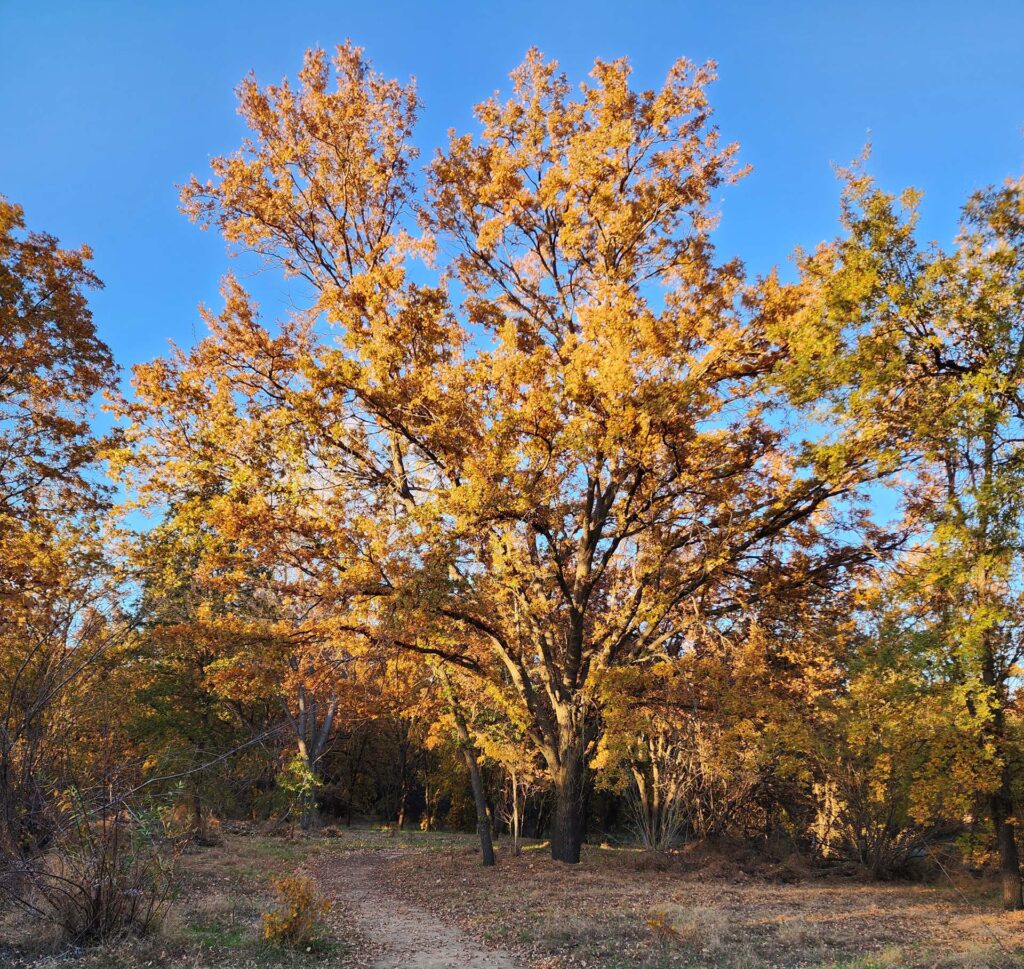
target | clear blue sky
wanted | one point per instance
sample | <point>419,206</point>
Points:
<point>106,106</point>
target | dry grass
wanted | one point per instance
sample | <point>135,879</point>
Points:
<point>618,909</point>
<point>213,921</point>
<point>606,913</point>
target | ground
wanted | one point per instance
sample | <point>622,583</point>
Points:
<point>421,901</point>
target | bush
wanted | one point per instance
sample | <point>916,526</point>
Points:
<point>189,821</point>
<point>296,922</point>
<point>102,880</point>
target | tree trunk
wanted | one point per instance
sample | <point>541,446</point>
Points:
<point>1001,800</point>
<point>540,818</point>
<point>996,673</point>
<point>569,822</point>
<point>1001,807</point>
<point>309,817</point>
<point>516,819</point>
<point>483,822</point>
<point>312,735</point>
<point>402,807</point>
<point>355,770</point>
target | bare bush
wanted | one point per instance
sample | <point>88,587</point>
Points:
<point>858,825</point>
<point>296,920</point>
<point>101,880</point>
<point>655,796</point>
<point>686,780</point>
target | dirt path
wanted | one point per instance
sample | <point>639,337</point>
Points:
<point>401,935</point>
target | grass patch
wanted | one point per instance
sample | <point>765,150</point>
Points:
<point>217,935</point>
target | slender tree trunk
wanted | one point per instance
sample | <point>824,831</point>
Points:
<point>483,822</point>
<point>540,818</point>
<point>516,820</point>
<point>427,821</point>
<point>402,803</point>
<point>355,770</point>
<point>403,785</point>
<point>569,821</point>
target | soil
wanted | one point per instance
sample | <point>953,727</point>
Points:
<point>405,935</point>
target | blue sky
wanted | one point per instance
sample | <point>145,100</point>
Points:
<point>107,106</point>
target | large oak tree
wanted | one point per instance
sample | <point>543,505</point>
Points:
<point>555,459</point>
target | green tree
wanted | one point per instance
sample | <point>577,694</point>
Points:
<point>919,355</point>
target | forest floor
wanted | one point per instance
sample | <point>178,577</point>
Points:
<point>410,900</point>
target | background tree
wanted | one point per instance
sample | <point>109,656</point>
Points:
<point>920,353</point>
<point>58,608</point>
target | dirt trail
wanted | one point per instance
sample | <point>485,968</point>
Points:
<point>405,936</point>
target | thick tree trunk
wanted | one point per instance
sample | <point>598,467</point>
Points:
<point>310,816</point>
<point>568,825</point>
<point>1001,807</point>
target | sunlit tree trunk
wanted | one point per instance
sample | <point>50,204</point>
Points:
<point>568,826</point>
<point>311,734</point>
<point>483,822</point>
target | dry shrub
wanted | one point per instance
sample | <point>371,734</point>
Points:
<point>296,922</point>
<point>698,926</point>
<point>101,881</point>
<point>189,822</point>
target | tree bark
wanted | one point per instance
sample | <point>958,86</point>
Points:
<point>355,770</point>
<point>568,825</point>
<point>1001,806</point>
<point>995,674</point>
<point>483,822</point>
<point>311,735</point>
<point>516,820</point>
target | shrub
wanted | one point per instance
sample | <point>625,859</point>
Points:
<point>296,921</point>
<point>189,821</point>
<point>101,880</point>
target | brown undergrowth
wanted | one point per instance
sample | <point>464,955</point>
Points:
<point>214,920</point>
<point>622,908</point>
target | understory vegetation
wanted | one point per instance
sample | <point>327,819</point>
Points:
<point>535,517</point>
<point>620,907</point>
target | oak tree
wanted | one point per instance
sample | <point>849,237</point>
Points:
<point>556,459</point>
